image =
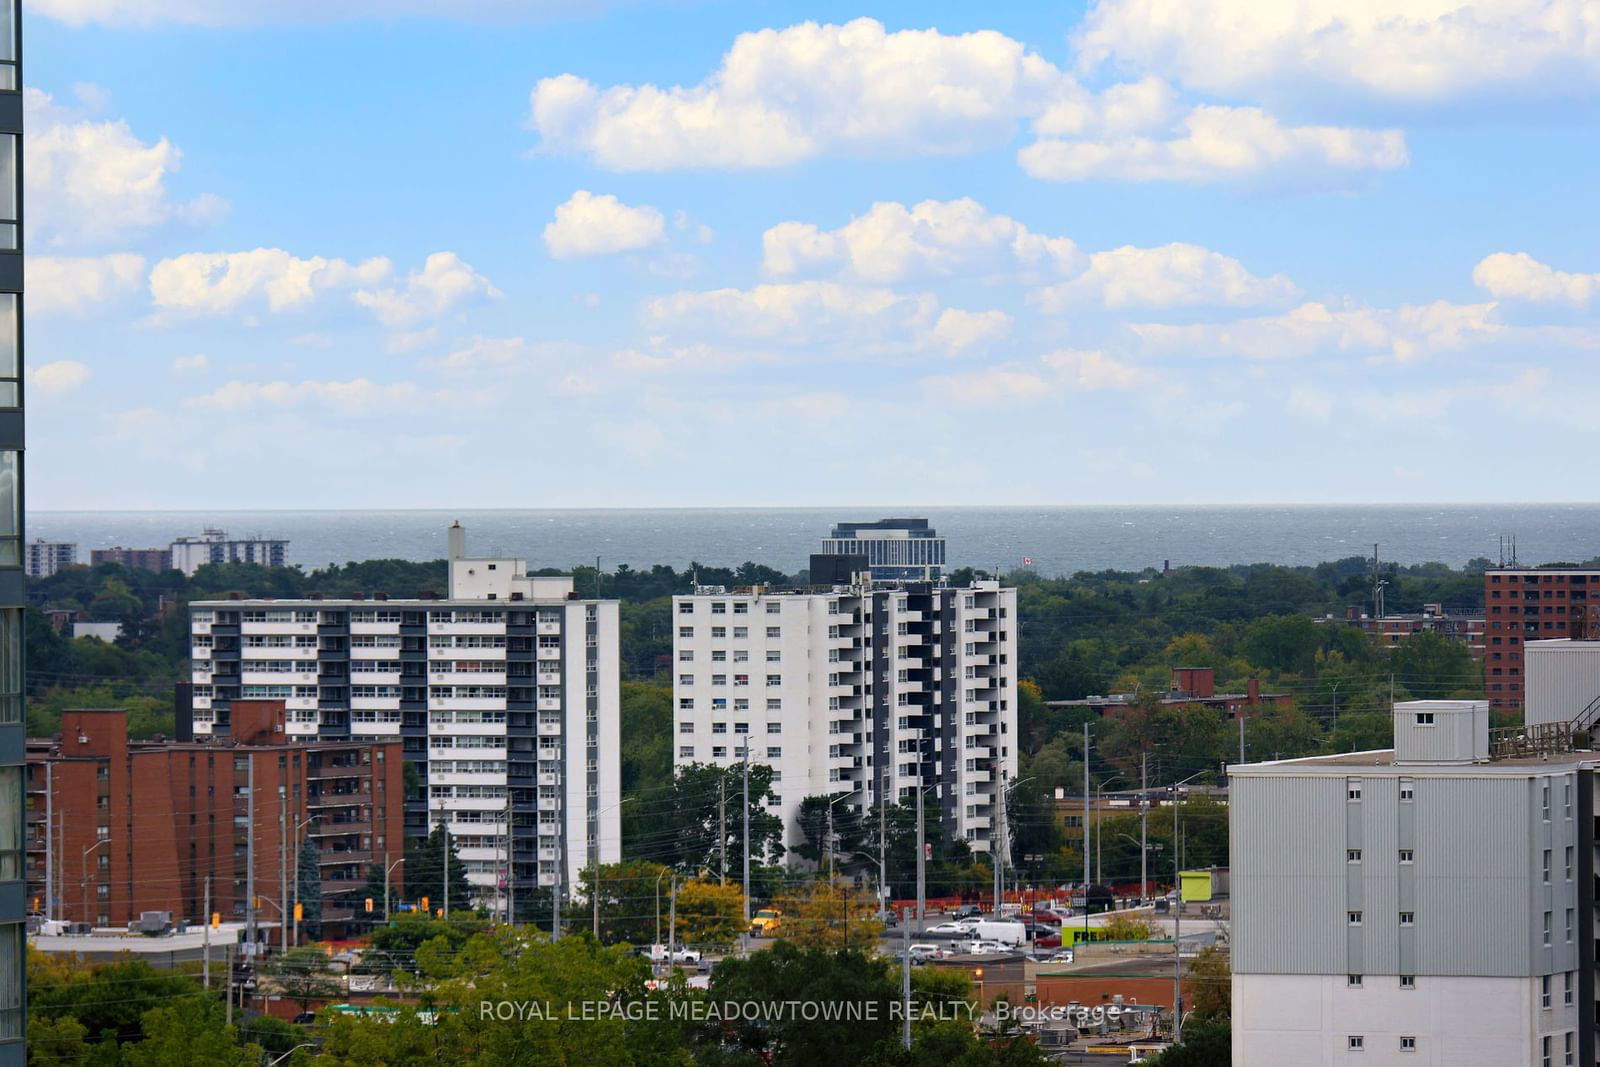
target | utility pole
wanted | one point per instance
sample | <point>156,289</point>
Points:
<point>746,932</point>
<point>1177,924</point>
<point>995,842</point>
<point>1144,819</point>
<point>205,918</point>
<point>1239,714</point>
<point>722,825</point>
<point>905,984</point>
<point>250,853</point>
<point>49,842</point>
<point>444,850</point>
<point>511,862</point>
<point>555,889</point>
<point>828,844</point>
<point>922,870</point>
<point>883,847</point>
<point>283,867</point>
<point>227,960</point>
<point>672,918</point>
<point>1086,825</point>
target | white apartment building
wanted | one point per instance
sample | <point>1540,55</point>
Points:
<point>44,558</point>
<point>1429,904</point>
<point>189,554</point>
<point>505,695</point>
<point>871,689</point>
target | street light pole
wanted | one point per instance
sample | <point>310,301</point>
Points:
<point>85,882</point>
<point>1177,918</point>
<point>594,863</point>
<point>387,867</point>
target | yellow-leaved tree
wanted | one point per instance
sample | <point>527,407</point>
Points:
<point>709,913</point>
<point>829,914</point>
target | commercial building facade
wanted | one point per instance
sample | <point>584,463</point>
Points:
<point>117,828</point>
<point>1426,904</point>
<point>867,689</point>
<point>13,889</point>
<point>892,549</point>
<point>1532,604</point>
<point>45,558</point>
<point>504,696</point>
<point>189,554</point>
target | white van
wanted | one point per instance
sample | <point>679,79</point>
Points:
<point>1006,931</point>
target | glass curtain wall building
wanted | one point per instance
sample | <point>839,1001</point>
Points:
<point>13,895</point>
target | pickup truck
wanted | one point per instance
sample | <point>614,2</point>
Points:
<point>764,923</point>
<point>679,954</point>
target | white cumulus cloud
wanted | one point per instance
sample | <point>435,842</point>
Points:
<point>1214,143</point>
<point>221,282</point>
<point>797,313</point>
<point>191,364</point>
<point>1518,276</point>
<point>782,96</point>
<point>590,225</point>
<point>1406,333</point>
<point>935,238</point>
<point>1413,50</point>
<point>444,283</point>
<point>358,396</point>
<point>1053,375</point>
<point>959,331</point>
<point>62,376</point>
<point>89,181</point>
<point>1173,275</point>
<point>78,284</point>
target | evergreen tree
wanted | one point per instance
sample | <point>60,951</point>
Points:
<point>424,873</point>
<point>308,879</point>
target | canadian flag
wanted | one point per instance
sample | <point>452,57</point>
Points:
<point>1027,561</point>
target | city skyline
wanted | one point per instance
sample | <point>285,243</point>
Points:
<point>1115,256</point>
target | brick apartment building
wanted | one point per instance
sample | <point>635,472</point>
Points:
<point>158,560</point>
<point>1467,628</point>
<point>1524,604</point>
<point>1190,685</point>
<point>138,825</point>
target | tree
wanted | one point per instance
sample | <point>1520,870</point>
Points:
<point>189,1031</point>
<point>828,914</point>
<point>850,831</point>
<point>628,896</point>
<point>425,861</point>
<point>709,914</point>
<point>1127,928</point>
<point>308,884</point>
<point>1205,1044</point>
<point>1211,985</point>
<point>683,827</point>
<point>303,974</point>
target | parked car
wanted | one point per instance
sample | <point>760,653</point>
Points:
<point>1006,931</point>
<point>922,952</point>
<point>982,947</point>
<point>946,929</point>
<point>968,911</point>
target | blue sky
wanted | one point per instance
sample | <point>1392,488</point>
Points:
<point>447,253</point>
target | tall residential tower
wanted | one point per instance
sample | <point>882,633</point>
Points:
<point>505,695</point>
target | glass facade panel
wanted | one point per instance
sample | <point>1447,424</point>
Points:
<point>12,958</point>
<point>10,665</point>
<point>10,823</point>
<point>9,319</point>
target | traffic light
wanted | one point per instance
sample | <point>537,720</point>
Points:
<point>369,906</point>
<point>438,913</point>
<point>216,919</point>
<point>424,903</point>
<point>300,911</point>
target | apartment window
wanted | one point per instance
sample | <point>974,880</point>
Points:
<point>1571,916</point>
<point>774,631</point>
<point>1545,793</point>
<point>1408,918</point>
<point>719,608</point>
<point>686,631</point>
<point>1424,718</point>
<point>1408,1044</point>
<point>685,607</point>
<point>718,751</point>
<point>686,655</point>
<point>1566,1049</point>
<point>1544,1046</point>
<point>1544,988</point>
<point>1407,856</point>
<point>774,753</point>
<point>719,727</point>
<point>1547,931</point>
<point>685,679</point>
<point>1546,867</point>
<point>1352,981</point>
<point>1566,801</point>
<point>719,631</point>
<point>1566,988</point>
<point>775,704</point>
<point>13,964</point>
<point>686,727</point>
<point>686,752</point>
<point>774,679</point>
<point>1569,859</point>
<point>1408,981</point>
<point>774,608</point>
<point>774,656</point>
<point>11,665</point>
<point>774,727</point>
<point>1352,855</point>
<point>1355,918</point>
<point>10,493</point>
<point>686,703</point>
<point>741,608</point>
<point>1355,1042</point>
<point>1352,788</point>
<point>1407,789</point>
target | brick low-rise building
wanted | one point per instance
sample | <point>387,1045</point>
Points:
<point>1525,604</point>
<point>137,826</point>
<point>1190,685</point>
